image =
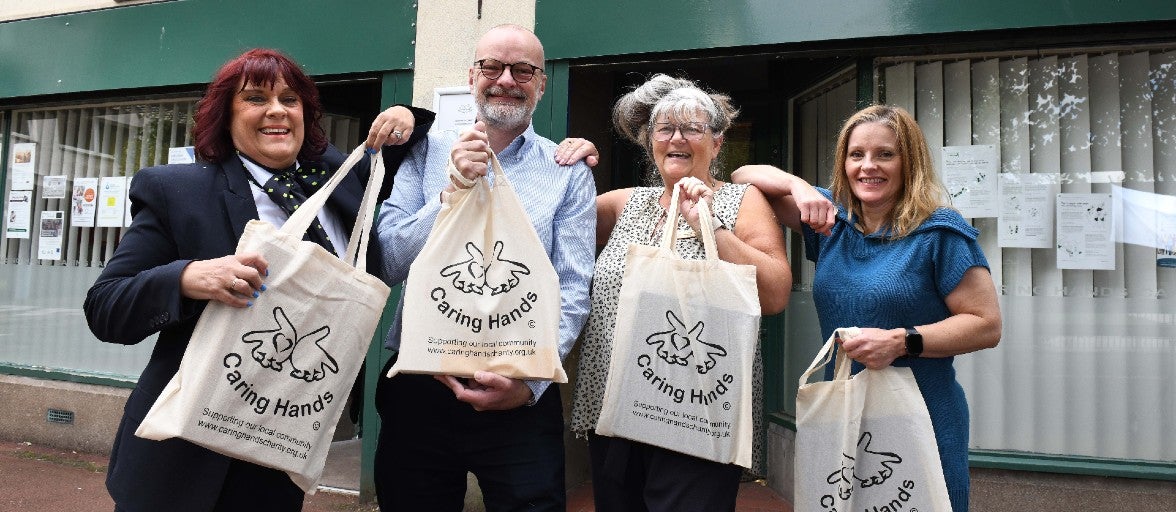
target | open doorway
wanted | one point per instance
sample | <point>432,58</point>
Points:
<point>760,86</point>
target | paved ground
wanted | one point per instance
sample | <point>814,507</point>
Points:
<point>45,479</point>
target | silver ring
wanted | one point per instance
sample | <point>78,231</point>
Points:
<point>397,134</point>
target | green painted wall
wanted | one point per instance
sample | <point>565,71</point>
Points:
<point>185,41</point>
<point>586,29</point>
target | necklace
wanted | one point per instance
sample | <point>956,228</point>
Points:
<point>658,224</point>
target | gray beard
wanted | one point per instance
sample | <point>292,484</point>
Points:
<point>507,117</point>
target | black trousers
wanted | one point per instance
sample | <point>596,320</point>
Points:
<point>429,440</point>
<point>628,476</point>
<point>249,487</point>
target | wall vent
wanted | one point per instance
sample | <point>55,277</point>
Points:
<point>60,417</point>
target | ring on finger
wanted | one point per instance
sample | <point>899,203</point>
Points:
<point>233,284</point>
<point>398,134</point>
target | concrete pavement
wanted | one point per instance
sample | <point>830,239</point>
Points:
<point>45,479</point>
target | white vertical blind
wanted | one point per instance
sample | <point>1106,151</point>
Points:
<point>1085,365</point>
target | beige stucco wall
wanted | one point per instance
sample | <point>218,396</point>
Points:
<point>447,31</point>
<point>21,9</point>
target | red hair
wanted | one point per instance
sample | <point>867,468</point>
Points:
<point>259,66</point>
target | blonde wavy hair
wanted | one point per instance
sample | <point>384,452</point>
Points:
<point>922,192</point>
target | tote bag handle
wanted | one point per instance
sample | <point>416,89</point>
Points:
<point>300,221</point>
<point>842,365</point>
<point>670,230</point>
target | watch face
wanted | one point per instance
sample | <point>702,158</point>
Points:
<point>914,342</point>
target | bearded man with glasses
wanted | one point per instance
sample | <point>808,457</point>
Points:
<point>508,432</point>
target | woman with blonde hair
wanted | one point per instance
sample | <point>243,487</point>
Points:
<point>894,259</point>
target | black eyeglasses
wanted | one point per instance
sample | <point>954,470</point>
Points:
<point>522,72</point>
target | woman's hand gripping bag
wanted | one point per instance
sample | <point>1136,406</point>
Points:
<point>865,442</point>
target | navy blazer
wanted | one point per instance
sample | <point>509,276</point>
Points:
<point>183,213</point>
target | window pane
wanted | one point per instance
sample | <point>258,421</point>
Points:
<point>80,160</point>
<point>1084,364</point>
<point>69,188</point>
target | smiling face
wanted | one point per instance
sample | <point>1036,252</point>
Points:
<point>873,167</point>
<point>504,102</point>
<point>267,124</point>
<point>680,156</point>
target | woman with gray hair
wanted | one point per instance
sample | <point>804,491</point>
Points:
<point>681,128</point>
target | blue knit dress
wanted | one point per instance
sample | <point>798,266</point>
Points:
<point>870,281</point>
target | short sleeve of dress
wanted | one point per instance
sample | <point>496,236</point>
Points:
<point>812,239</point>
<point>956,250</point>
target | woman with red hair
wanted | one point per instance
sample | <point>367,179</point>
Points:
<point>256,125</point>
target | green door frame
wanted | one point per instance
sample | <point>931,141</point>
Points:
<point>395,88</point>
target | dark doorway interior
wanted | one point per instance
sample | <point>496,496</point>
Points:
<point>760,85</point>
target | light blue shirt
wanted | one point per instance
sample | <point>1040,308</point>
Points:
<point>560,201</point>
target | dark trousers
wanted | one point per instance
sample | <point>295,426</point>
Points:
<point>429,440</point>
<point>628,476</point>
<point>249,487</point>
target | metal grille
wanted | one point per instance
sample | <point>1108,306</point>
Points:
<point>59,417</point>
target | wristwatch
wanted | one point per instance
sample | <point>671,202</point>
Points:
<point>914,342</point>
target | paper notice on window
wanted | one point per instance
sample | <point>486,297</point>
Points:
<point>112,196</point>
<point>1147,219</point>
<point>1085,232</point>
<point>970,174</point>
<point>1027,210</point>
<point>181,155</point>
<point>24,165</point>
<point>53,187</point>
<point>17,218</point>
<point>49,238</point>
<point>84,202</point>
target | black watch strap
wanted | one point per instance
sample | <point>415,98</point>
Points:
<point>914,342</point>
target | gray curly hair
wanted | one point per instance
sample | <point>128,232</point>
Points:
<point>679,99</point>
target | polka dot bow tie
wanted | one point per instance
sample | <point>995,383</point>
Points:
<point>288,188</point>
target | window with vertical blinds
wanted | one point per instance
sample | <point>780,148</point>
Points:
<point>1085,364</point>
<point>81,159</point>
<point>87,146</point>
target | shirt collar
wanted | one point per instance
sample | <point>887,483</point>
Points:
<point>261,174</point>
<point>520,146</point>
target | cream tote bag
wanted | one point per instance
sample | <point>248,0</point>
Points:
<point>865,442</point>
<point>267,384</point>
<point>680,375</point>
<point>482,294</point>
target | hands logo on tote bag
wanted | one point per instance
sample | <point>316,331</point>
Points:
<point>276,348</point>
<point>678,345</point>
<point>865,442</point>
<point>482,294</point>
<point>680,374</point>
<point>478,274</point>
<point>267,384</point>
